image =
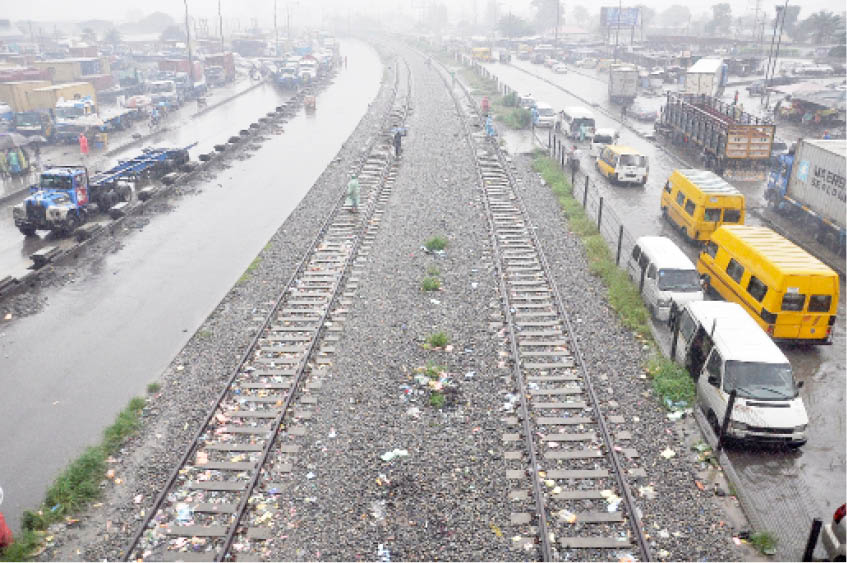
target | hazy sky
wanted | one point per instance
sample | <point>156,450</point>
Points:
<point>304,10</point>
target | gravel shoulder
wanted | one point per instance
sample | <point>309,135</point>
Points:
<point>190,385</point>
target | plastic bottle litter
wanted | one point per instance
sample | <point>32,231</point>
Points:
<point>383,553</point>
<point>395,453</point>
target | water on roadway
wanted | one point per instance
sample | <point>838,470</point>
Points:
<point>179,130</point>
<point>822,461</point>
<point>68,370</point>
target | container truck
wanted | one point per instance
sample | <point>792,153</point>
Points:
<point>15,93</point>
<point>47,96</point>
<point>809,185</point>
<point>730,141</point>
<point>623,83</point>
<point>706,76</point>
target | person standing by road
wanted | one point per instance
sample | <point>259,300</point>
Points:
<point>398,140</point>
<point>83,144</point>
<point>353,194</point>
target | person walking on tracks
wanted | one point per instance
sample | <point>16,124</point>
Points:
<point>398,141</point>
<point>353,194</point>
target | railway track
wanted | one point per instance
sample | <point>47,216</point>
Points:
<point>565,476</point>
<point>208,509</point>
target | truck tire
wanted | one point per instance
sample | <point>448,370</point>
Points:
<point>712,418</point>
<point>27,231</point>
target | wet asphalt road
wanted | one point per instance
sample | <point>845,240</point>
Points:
<point>822,462</point>
<point>69,369</point>
<point>185,128</point>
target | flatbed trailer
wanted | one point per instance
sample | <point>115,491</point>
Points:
<point>730,141</point>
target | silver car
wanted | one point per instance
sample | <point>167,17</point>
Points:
<point>833,535</point>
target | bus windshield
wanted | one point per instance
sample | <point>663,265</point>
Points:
<point>756,380</point>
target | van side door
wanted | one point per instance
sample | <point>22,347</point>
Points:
<point>710,394</point>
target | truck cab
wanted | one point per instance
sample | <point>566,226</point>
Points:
<point>30,123</point>
<point>58,202</point>
<point>67,110</point>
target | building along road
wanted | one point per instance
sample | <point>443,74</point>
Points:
<point>70,368</point>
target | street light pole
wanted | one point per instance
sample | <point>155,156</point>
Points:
<point>276,32</point>
<point>221,24</point>
<point>188,44</point>
<point>783,9</point>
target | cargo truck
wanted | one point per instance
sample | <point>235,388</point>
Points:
<point>47,96</point>
<point>809,185</point>
<point>15,93</point>
<point>623,83</point>
<point>706,76</point>
<point>730,141</point>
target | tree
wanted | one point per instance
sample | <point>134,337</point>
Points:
<point>113,37</point>
<point>514,26</point>
<point>580,16</point>
<point>675,16</point>
<point>821,27</point>
<point>89,36</point>
<point>792,13</point>
<point>721,22</point>
<point>648,14</point>
<point>545,14</point>
<point>172,33</point>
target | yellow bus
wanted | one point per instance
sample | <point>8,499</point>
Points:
<point>481,54</point>
<point>698,201</point>
<point>790,293</point>
<point>620,164</point>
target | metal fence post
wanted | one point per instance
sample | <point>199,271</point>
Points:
<point>675,333</point>
<point>726,417</point>
<point>620,242</point>
<point>549,138</point>
<point>562,156</point>
<point>600,213</point>
<point>585,196</point>
<point>813,540</point>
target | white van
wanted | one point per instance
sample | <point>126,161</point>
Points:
<point>725,350</point>
<point>601,138</point>
<point>526,101</point>
<point>544,115</point>
<point>669,276</point>
<point>571,119</point>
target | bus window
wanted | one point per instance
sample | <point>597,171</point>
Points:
<point>756,288</point>
<point>820,303</point>
<point>731,215</point>
<point>793,301</point>
<point>711,249</point>
<point>680,197</point>
<point>712,214</point>
<point>735,270</point>
<point>689,207</point>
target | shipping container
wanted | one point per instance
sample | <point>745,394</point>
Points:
<point>224,60</point>
<point>70,70</point>
<point>100,81</point>
<point>623,83</point>
<point>18,74</point>
<point>15,93</point>
<point>705,77</point>
<point>810,186</point>
<point>181,65</point>
<point>46,97</point>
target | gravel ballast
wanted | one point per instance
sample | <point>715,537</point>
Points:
<point>190,385</point>
<point>382,472</point>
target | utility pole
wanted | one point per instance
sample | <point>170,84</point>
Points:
<point>276,32</point>
<point>556,36</point>
<point>617,31</point>
<point>783,10</point>
<point>221,24</point>
<point>188,44</point>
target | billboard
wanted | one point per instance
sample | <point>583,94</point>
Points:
<point>619,17</point>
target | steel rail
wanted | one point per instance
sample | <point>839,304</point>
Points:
<point>251,348</point>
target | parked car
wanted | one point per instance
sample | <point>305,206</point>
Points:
<point>642,113</point>
<point>834,535</point>
<point>560,69</point>
<point>526,101</point>
<point>550,62</point>
<point>587,63</point>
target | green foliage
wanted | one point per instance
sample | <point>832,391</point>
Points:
<point>436,399</point>
<point>516,118</point>
<point>510,99</point>
<point>433,271</point>
<point>430,284</point>
<point>436,243</point>
<point>765,542</point>
<point>433,371</point>
<point>250,269</point>
<point>671,381</point>
<point>76,486</point>
<point>153,388</point>
<point>437,340</point>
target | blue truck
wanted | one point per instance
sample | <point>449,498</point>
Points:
<point>66,197</point>
<point>808,185</point>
